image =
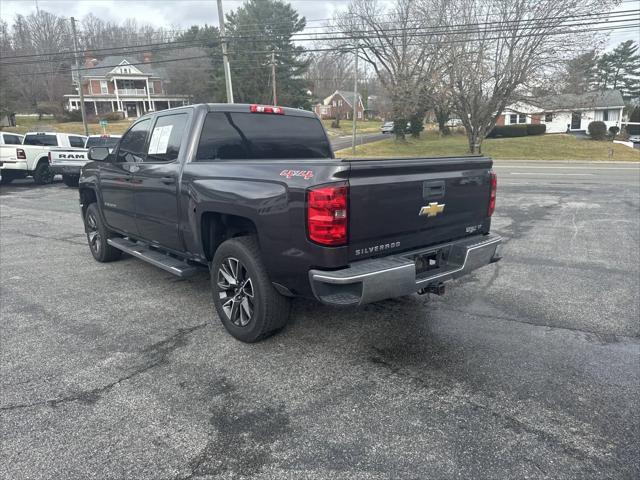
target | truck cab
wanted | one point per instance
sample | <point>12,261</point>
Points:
<point>32,157</point>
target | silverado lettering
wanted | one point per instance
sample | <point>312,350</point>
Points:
<point>223,207</point>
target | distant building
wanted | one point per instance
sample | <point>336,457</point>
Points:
<point>124,84</point>
<point>567,112</point>
<point>340,102</point>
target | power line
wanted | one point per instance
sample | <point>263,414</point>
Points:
<point>448,29</point>
<point>339,49</point>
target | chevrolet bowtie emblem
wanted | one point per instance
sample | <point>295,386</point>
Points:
<point>431,210</point>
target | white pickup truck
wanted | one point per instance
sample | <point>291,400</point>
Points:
<point>32,157</point>
<point>69,162</point>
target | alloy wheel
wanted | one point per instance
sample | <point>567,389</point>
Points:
<point>235,289</point>
<point>93,233</point>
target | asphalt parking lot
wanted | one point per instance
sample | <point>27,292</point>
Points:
<point>529,368</point>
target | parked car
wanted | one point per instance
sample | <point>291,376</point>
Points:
<point>69,162</point>
<point>255,194</point>
<point>32,157</point>
<point>9,138</point>
<point>387,127</point>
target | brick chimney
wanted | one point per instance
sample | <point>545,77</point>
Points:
<point>147,57</point>
<point>89,61</point>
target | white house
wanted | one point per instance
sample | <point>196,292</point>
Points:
<point>567,112</point>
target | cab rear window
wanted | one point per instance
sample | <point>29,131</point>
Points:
<point>41,139</point>
<point>237,135</point>
<point>102,142</point>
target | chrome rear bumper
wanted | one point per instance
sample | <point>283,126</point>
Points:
<point>396,275</point>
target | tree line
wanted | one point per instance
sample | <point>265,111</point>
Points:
<point>467,59</point>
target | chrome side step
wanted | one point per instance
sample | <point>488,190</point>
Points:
<point>154,257</point>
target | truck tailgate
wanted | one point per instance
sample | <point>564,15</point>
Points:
<point>399,204</point>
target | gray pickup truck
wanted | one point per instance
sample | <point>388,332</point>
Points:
<point>255,195</point>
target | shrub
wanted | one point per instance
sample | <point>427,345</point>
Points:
<point>613,131</point>
<point>416,125</point>
<point>536,129</point>
<point>111,116</point>
<point>598,130</point>
<point>508,131</point>
<point>72,116</point>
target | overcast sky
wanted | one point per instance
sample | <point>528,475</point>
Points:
<point>184,13</point>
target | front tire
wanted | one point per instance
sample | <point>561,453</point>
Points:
<point>70,180</point>
<point>97,235</point>
<point>245,300</point>
<point>42,175</point>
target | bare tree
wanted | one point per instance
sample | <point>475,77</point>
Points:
<point>330,71</point>
<point>497,49</point>
<point>387,37</point>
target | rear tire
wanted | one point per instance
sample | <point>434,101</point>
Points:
<point>6,179</point>
<point>70,180</point>
<point>42,175</point>
<point>97,235</point>
<point>245,300</point>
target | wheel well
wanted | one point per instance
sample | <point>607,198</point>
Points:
<point>87,197</point>
<point>215,228</point>
<point>41,160</point>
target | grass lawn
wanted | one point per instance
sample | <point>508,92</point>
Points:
<point>362,126</point>
<point>542,147</point>
<point>30,124</point>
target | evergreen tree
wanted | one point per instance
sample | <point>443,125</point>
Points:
<point>256,29</point>
<point>620,70</point>
<point>580,73</point>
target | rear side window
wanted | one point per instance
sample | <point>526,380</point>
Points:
<point>41,139</point>
<point>12,139</point>
<point>166,138</point>
<point>227,135</point>
<point>77,142</point>
<point>102,142</point>
<point>133,143</point>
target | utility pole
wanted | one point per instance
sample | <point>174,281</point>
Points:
<point>355,101</point>
<point>225,56</point>
<point>273,77</point>
<point>79,75</point>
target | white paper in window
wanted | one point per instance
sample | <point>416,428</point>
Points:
<point>163,141</point>
<point>153,144</point>
<point>160,140</point>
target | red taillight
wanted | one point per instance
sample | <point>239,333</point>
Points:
<point>327,212</point>
<point>266,109</point>
<point>492,195</point>
<point>20,154</point>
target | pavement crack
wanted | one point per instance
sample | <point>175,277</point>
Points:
<point>46,237</point>
<point>154,355</point>
<point>611,337</point>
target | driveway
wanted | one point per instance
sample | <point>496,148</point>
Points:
<point>529,368</point>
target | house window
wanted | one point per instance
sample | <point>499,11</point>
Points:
<point>151,89</point>
<point>359,115</point>
<point>339,103</point>
<point>522,118</point>
<point>334,103</point>
<point>605,115</point>
<point>548,117</point>
<point>103,87</point>
<point>513,118</point>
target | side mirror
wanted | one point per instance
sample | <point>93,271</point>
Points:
<point>98,154</point>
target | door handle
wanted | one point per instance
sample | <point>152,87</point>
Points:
<point>168,180</point>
